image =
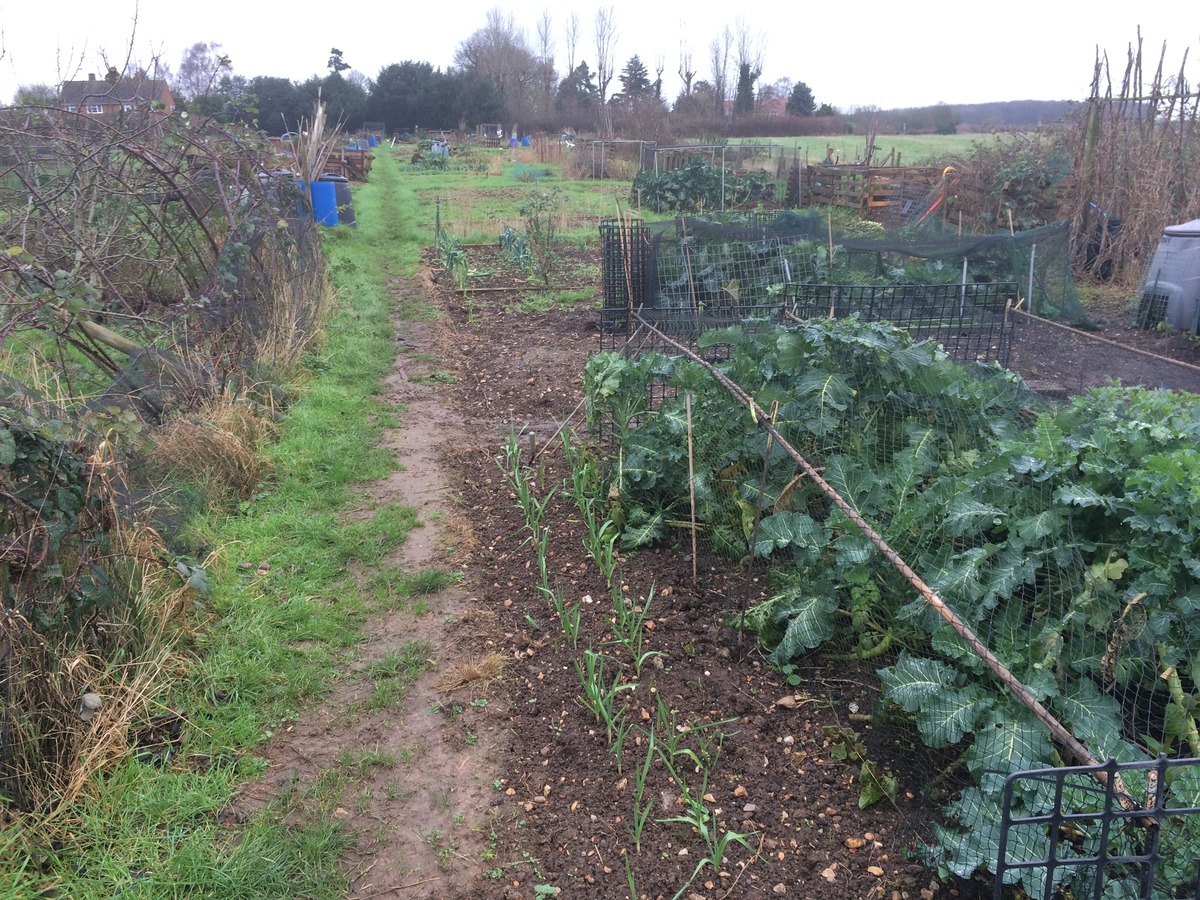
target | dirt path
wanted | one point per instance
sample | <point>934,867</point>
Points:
<point>409,767</point>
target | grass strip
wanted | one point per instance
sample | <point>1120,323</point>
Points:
<point>275,634</point>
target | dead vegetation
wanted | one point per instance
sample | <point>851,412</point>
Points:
<point>85,655</point>
<point>156,294</point>
<point>467,672</point>
<point>1136,144</point>
<point>215,449</point>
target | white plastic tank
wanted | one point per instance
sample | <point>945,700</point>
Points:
<point>1170,293</point>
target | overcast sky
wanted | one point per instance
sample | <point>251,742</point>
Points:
<point>866,54</point>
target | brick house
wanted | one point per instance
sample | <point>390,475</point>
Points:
<point>108,98</point>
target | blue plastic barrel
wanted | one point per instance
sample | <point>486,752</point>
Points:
<point>323,195</point>
<point>371,140</point>
<point>525,141</point>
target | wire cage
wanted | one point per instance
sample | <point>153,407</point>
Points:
<point>1090,839</point>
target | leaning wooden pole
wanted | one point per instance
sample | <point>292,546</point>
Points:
<point>1065,739</point>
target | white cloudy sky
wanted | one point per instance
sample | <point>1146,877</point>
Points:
<point>869,53</point>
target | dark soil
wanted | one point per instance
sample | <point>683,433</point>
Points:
<point>569,798</point>
<point>1060,362</point>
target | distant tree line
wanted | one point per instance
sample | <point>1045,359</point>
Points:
<point>500,75</point>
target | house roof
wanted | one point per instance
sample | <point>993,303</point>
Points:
<point>97,90</point>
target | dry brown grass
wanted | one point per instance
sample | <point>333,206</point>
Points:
<point>477,625</point>
<point>298,302</point>
<point>216,449</point>
<point>469,672</point>
<point>51,753</point>
<point>582,163</point>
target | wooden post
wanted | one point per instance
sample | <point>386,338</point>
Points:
<point>829,221</point>
<point>692,486</point>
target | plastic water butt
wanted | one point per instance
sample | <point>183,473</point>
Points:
<point>342,198</point>
<point>323,195</point>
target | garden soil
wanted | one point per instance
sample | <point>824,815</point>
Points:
<point>566,806</point>
<point>506,786</point>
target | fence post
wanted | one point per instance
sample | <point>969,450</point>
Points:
<point>1032,258</point>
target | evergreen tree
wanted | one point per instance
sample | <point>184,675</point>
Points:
<point>801,102</point>
<point>635,81</point>
<point>336,63</point>
<point>278,103</point>
<point>577,95</point>
<point>743,104</point>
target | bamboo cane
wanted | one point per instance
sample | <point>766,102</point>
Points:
<point>692,486</point>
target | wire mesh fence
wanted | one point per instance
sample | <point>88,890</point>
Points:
<point>696,273</point>
<point>971,321</point>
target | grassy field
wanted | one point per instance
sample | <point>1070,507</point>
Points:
<point>484,191</point>
<point>914,149</point>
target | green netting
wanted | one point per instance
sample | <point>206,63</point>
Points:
<point>740,260</point>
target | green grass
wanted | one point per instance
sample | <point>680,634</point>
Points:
<point>914,149</point>
<point>438,376</point>
<point>393,585</point>
<point>267,646</point>
<point>407,663</point>
<point>168,842</point>
<point>477,205</point>
<point>359,764</point>
<point>539,302</point>
<point>392,675</point>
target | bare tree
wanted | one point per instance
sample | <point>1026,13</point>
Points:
<point>36,95</point>
<point>200,69</point>
<point>686,72</point>
<point>572,38</point>
<point>545,51</point>
<point>606,39</point>
<point>750,51</point>
<point>359,79</point>
<point>500,53</point>
<point>718,59</point>
<point>751,48</point>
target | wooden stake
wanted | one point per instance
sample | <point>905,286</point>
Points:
<point>692,486</point>
<point>1010,224</point>
<point>625,232</point>
<point>829,222</point>
<point>687,259</point>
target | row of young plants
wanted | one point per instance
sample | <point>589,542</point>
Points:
<point>618,674</point>
<point>1066,537</point>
